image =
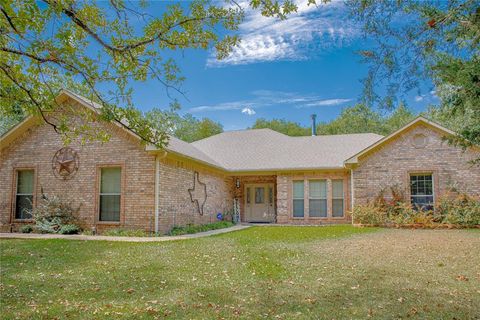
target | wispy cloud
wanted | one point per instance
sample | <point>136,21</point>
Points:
<point>265,98</point>
<point>419,98</point>
<point>328,102</point>
<point>312,29</point>
<point>248,111</point>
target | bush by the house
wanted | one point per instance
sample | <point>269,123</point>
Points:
<point>69,229</point>
<point>52,214</point>
<point>121,232</point>
<point>460,210</point>
<point>26,228</point>
<point>191,228</point>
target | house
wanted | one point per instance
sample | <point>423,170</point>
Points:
<point>263,175</point>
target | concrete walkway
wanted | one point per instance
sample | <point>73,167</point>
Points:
<point>126,239</point>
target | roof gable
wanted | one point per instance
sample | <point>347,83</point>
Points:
<point>375,146</point>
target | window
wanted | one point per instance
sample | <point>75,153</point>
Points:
<point>337,198</point>
<point>421,191</point>
<point>259,195</point>
<point>317,198</point>
<point>110,193</point>
<point>248,195</point>
<point>270,195</point>
<point>298,204</point>
<point>24,194</point>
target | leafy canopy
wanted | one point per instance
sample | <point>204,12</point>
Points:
<point>99,49</point>
<point>430,40</point>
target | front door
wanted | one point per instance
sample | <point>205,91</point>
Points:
<point>259,203</point>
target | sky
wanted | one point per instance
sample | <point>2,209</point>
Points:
<point>288,69</point>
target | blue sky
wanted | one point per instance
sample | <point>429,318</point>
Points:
<point>281,69</point>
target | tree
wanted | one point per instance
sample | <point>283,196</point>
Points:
<point>84,46</point>
<point>186,127</point>
<point>289,128</point>
<point>357,119</point>
<point>425,40</point>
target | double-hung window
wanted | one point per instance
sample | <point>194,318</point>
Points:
<point>24,194</point>
<point>298,199</point>
<point>317,198</point>
<point>337,198</point>
<point>421,191</point>
<point>110,194</point>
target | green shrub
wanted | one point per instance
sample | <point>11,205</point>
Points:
<point>28,228</point>
<point>121,232</point>
<point>460,210</point>
<point>369,214</point>
<point>69,229</point>
<point>191,228</point>
<point>53,213</point>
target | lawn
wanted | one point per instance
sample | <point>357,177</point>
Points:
<point>263,272</point>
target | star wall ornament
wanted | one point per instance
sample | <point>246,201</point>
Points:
<point>65,163</point>
<point>198,194</point>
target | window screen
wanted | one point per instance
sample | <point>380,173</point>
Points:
<point>337,198</point>
<point>317,190</point>
<point>24,194</point>
<point>110,193</point>
<point>298,199</point>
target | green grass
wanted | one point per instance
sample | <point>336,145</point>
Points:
<point>196,228</point>
<point>333,272</point>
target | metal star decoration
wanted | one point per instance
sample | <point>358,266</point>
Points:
<point>198,194</point>
<point>65,163</point>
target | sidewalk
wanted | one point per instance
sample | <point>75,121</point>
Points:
<point>126,239</point>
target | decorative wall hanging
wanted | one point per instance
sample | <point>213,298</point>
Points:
<point>65,163</point>
<point>198,194</point>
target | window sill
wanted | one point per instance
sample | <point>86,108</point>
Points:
<point>115,223</point>
<point>23,221</point>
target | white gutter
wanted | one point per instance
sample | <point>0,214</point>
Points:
<point>157,190</point>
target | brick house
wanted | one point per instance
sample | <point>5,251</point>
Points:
<point>263,175</point>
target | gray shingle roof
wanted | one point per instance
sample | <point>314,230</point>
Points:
<point>265,149</point>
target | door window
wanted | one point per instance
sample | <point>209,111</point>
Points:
<point>259,195</point>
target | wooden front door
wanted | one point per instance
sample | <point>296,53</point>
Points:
<point>259,203</point>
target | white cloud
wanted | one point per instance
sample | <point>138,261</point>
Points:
<point>248,111</point>
<point>328,102</point>
<point>265,98</point>
<point>419,98</point>
<point>310,30</point>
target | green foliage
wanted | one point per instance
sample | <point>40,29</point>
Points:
<point>283,126</point>
<point>69,229</point>
<point>28,228</point>
<point>121,232</point>
<point>190,228</point>
<point>369,214</point>
<point>436,41</point>
<point>52,214</point>
<point>356,119</point>
<point>461,209</point>
<point>83,46</point>
<point>186,127</point>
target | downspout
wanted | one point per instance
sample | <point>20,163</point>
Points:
<point>352,190</point>
<point>157,190</point>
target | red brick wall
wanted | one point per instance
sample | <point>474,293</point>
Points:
<point>175,206</point>
<point>393,163</point>
<point>36,148</point>
<point>285,197</point>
